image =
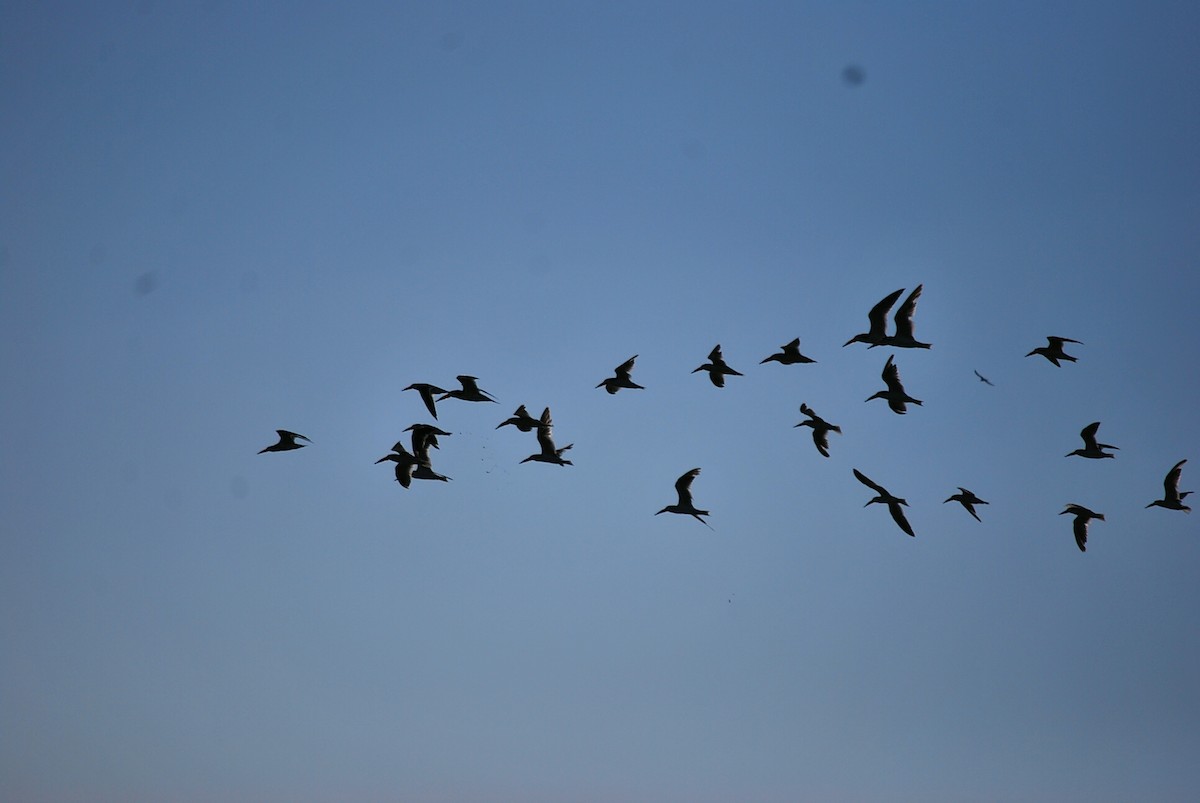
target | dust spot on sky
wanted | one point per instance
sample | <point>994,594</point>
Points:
<point>146,283</point>
<point>853,75</point>
<point>452,40</point>
<point>249,282</point>
<point>97,254</point>
<point>694,149</point>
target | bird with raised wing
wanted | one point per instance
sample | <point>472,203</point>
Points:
<point>469,391</point>
<point>287,442</point>
<point>968,500</point>
<point>788,354</point>
<point>1092,448</point>
<point>683,488</point>
<point>521,419</point>
<point>622,378</point>
<point>903,338</point>
<point>424,437</point>
<point>1053,350</point>
<point>895,394</point>
<point>885,498</point>
<point>717,368</point>
<point>545,435</point>
<point>1082,517</point>
<point>820,428</point>
<point>427,392</point>
<point>876,335</point>
<point>1172,496</point>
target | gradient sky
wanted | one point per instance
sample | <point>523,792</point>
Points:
<point>218,220</point>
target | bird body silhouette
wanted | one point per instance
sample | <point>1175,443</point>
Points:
<point>1172,497</point>
<point>1053,350</point>
<point>1082,517</point>
<point>885,498</point>
<point>903,338</point>
<point>545,435</point>
<point>984,379</point>
<point>788,354</point>
<point>1092,448</point>
<point>521,419</point>
<point>876,335</point>
<point>469,391</point>
<point>427,392</point>
<point>287,442</point>
<point>968,500</point>
<point>683,488</point>
<point>820,428</point>
<point>895,395</point>
<point>717,368</point>
<point>621,378</point>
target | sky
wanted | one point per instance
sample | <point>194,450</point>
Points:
<point>220,219</point>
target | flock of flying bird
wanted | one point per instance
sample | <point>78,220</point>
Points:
<point>416,464</point>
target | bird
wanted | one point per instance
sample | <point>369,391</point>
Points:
<point>903,338</point>
<point>717,368</point>
<point>287,442</point>
<point>820,428</point>
<point>406,463</point>
<point>1091,448</point>
<point>521,419</point>
<point>895,394</point>
<point>877,333</point>
<point>893,502</point>
<point>1053,351</point>
<point>427,391</point>
<point>621,378</point>
<point>967,500</point>
<point>545,436</point>
<point>424,436</point>
<point>789,354</point>
<point>469,392</point>
<point>683,487</point>
<point>984,379</point>
<point>1172,497</point>
<point>1082,517</point>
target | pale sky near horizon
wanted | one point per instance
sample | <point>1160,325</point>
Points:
<point>218,220</point>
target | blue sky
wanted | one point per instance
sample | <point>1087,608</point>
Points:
<point>216,221</point>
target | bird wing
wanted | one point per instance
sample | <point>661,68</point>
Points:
<point>904,315</point>
<point>715,354</point>
<point>821,439</point>
<point>891,377</point>
<point>683,487</point>
<point>898,516</point>
<point>626,367</point>
<point>1081,528</point>
<point>1057,342</point>
<point>545,436</point>
<point>808,411</point>
<point>1171,483</point>
<point>792,346</point>
<point>283,433</point>
<point>878,314</point>
<point>865,480</point>
<point>1088,434</point>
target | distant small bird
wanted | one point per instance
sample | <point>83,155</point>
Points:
<point>967,500</point>
<point>521,419</point>
<point>820,428</point>
<point>1053,351</point>
<point>789,354</point>
<point>622,378</point>
<point>683,487</point>
<point>1172,496</point>
<point>1091,448</point>
<point>876,335</point>
<point>545,436</point>
<point>895,394</point>
<point>984,379</point>
<point>893,502</point>
<point>427,392</point>
<point>469,392</point>
<point>287,442</point>
<point>903,338</point>
<point>717,368</point>
<point>1082,517</point>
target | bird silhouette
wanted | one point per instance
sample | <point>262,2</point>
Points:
<point>1091,448</point>
<point>545,436</point>
<point>788,354</point>
<point>468,392</point>
<point>895,394</point>
<point>683,487</point>
<point>984,379</point>
<point>967,500</point>
<point>424,437</point>
<point>903,338</point>
<point>1172,497</point>
<point>1053,351</point>
<point>427,392</point>
<point>1082,517</point>
<point>893,502</point>
<point>406,463</point>
<point>820,428</point>
<point>286,442</point>
<point>876,335</point>
<point>521,419</point>
<point>621,378</point>
<point>717,368</point>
